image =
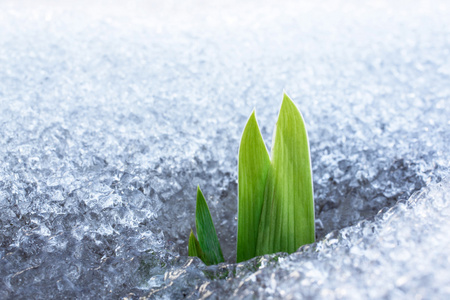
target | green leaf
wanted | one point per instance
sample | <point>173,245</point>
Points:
<point>254,163</point>
<point>207,236</point>
<point>194,248</point>
<point>287,219</point>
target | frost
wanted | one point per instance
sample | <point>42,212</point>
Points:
<point>111,116</point>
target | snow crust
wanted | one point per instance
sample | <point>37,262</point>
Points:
<point>111,114</point>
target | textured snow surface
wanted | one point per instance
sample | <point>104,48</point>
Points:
<point>112,114</point>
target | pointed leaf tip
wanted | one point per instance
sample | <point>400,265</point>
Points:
<point>194,248</point>
<point>206,232</point>
<point>285,96</point>
<point>252,119</point>
<point>287,220</point>
<point>287,103</point>
<point>253,164</point>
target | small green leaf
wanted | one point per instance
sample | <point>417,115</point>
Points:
<point>207,236</point>
<point>287,219</point>
<point>254,163</point>
<point>194,248</point>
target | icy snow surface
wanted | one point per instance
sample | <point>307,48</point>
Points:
<point>111,115</point>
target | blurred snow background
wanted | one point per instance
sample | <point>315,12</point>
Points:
<point>111,114</point>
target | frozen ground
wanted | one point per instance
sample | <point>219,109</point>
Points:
<point>111,115</point>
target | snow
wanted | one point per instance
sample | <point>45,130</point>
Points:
<point>111,114</point>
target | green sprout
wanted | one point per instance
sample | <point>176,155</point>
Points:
<point>207,247</point>
<point>276,201</point>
